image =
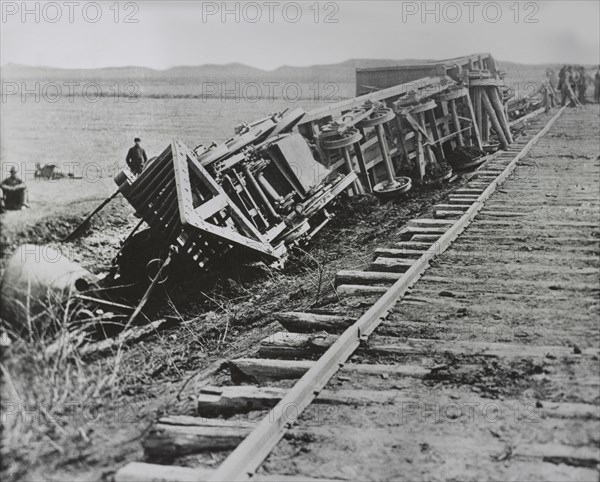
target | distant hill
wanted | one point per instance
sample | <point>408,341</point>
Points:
<point>207,71</point>
<point>187,81</point>
<point>190,81</point>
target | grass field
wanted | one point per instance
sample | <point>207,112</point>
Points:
<point>91,139</point>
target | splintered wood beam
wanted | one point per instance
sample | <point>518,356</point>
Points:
<point>396,265</point>
<point>467,190</point>
<point>287,346</point>
<point>365,277</point>
<point>360,290</point>
<point>417,245</point>
<point>260,370</point>
<point>412,229</point>
<point>397,253</point>
<point>441,214</point>
<point>179,436</point>
<point>459,201</point>
<point>232,400</point>
<point>451,207</point>
<point>425,222</point>
<point>266,369</point>
<point>298,322</point>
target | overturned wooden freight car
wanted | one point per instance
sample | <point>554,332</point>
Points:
<point>266,189</point>
<point>254,196</point>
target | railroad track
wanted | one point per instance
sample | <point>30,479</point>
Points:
<point>483,369</point>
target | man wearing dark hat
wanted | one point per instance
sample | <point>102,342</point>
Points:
<point>136,157</point>
<point>13,191</point>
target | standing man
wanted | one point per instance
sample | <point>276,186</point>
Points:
<point>582,84</point>
<point>568,88</point>
<point>136,157</point>
<point>552,84</point>
<point>13,191</point>
<point>574,72</point>
<point>565,84</point>
<point>561,77</point>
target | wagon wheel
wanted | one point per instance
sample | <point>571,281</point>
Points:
<point>344,139</point>
<point>387,190</point>
<point>296,232</point>
<point>356,115</point>
<point>379,117</point>
<point>153,269</point>
<point>447,176</point>
<point>471,164</point>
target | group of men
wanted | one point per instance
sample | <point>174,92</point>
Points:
<point>572,84</point>
<point>13,191</point>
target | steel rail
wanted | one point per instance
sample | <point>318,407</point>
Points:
<point>243,462</point>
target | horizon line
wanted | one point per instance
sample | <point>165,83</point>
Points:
<point>38,66</point>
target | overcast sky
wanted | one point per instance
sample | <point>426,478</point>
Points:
<point>269,34</point>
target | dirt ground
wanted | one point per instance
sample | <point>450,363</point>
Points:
<point>223,318</point>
